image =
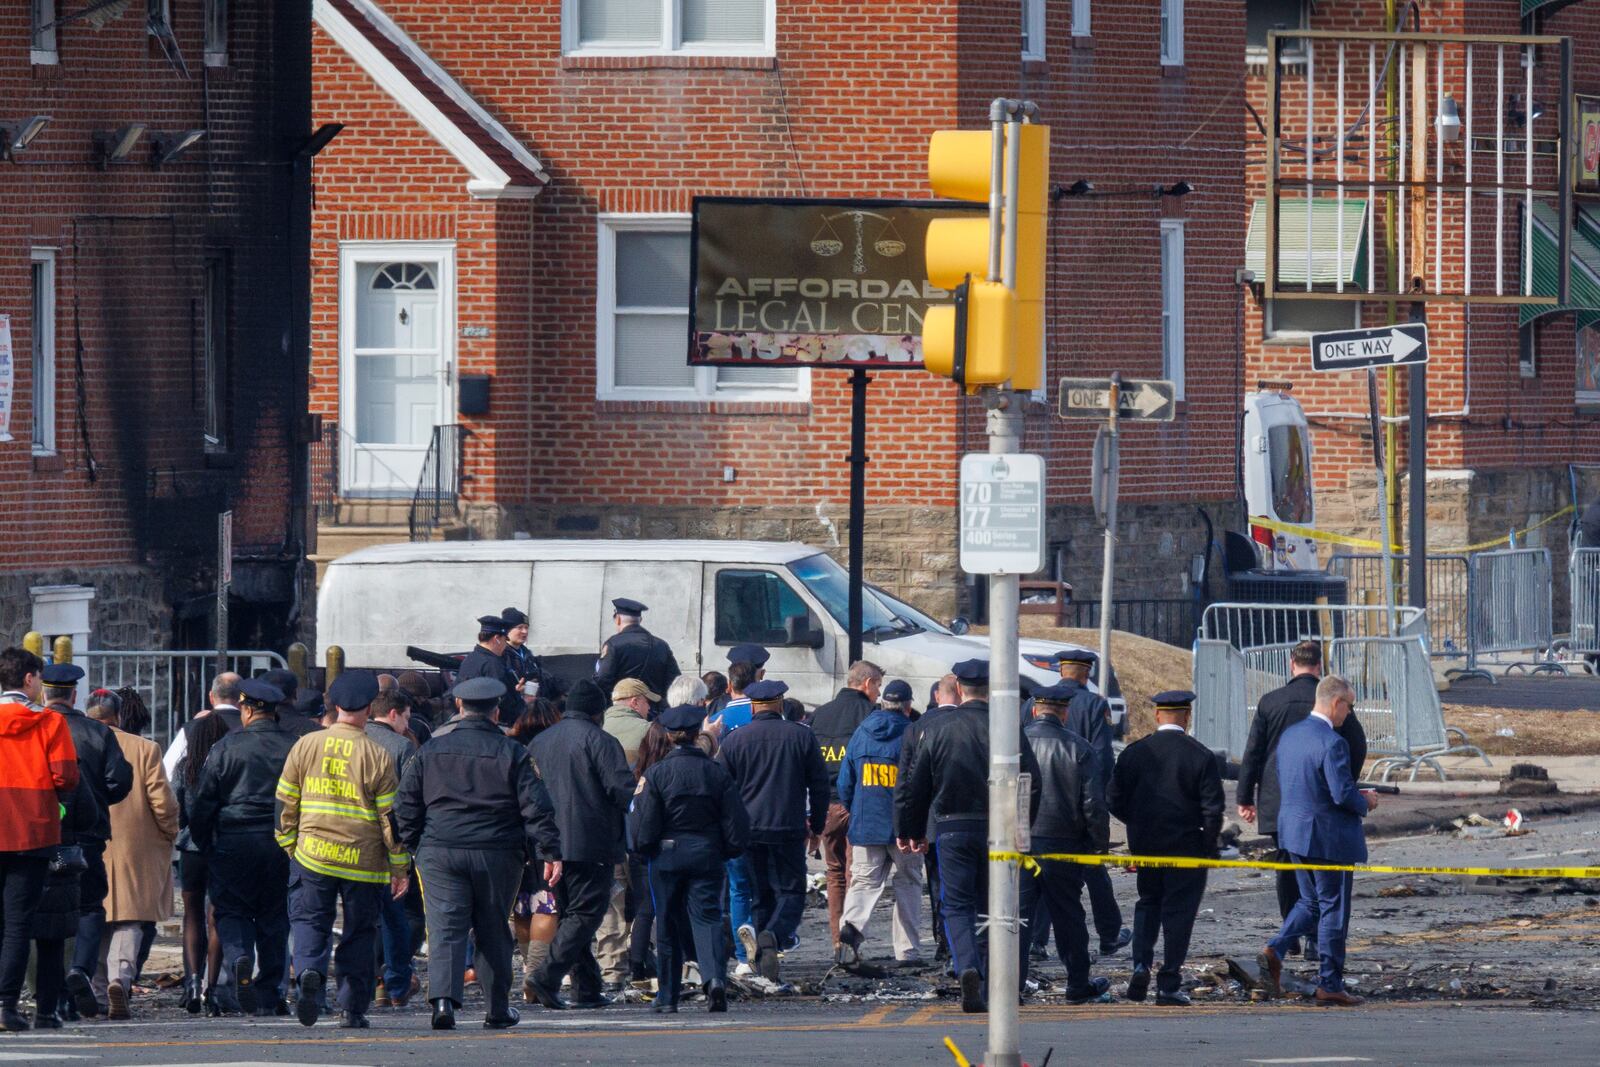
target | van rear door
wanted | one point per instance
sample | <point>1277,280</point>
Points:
<point>755,603</point>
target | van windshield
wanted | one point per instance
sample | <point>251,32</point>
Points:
<point>830,584</point>
<point>1291,474</point>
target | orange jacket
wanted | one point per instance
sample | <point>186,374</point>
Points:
<point>38,765</point>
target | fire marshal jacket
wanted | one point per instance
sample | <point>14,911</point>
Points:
<point>334,799</point>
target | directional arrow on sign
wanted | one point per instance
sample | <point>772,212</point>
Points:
<point>1145,399</point>
<point>1385,346</point>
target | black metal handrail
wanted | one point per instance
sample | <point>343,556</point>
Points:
<point>438,493</point>
<point>323,460</point>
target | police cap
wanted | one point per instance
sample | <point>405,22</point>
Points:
<point>972,671</point>
<point>284,679</point>
<point>259,691</point>
<point>682,717</point>
<point>1074,655</point>
<point>478,689</point>
<point>631,608</point>
<point>1060,693</point>
<point>514,617</point>
<point>492,624</point>
<point>353,690</point>
<point>752,654</point>
<point>1173,700</point>
<point>766,691</point>
<point>61,674</point>
<point>897,691</point>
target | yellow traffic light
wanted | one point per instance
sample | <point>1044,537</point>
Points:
<point>995,333</point>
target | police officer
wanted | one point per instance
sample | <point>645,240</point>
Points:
<point>520,660</point>
<point>943,697</point>
<point>472,809</point>
<point>634,652</point>
<point>231,821</point>
<point>488,660</point>
<point>948,785</point>
<point>688,820</point>
<point>1168,791</point>
<point>1071,818</point>
<point>300,712</point>
<point>778,767</point>
<point>109,777</point>
<point>1089,716</point>
<point>334,801</point>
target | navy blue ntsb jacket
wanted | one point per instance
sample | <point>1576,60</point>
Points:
<point>868,776</point>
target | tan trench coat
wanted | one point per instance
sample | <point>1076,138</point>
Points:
<point>143,826</point>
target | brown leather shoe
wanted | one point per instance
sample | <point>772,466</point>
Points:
<point>1340,999</point>
<point>1271,965</point>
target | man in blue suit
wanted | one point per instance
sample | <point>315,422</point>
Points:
<point>1319,821</point>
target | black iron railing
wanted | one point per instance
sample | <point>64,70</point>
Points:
<point>323,459</point>
<point>1171,622</point>
<point>438,495</point>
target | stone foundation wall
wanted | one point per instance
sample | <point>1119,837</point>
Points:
<point>130,609</point>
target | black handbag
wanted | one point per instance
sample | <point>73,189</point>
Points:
<point>68,859</point>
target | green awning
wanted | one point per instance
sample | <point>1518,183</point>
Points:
<point>1326,266</point>
<point>1547,6</point>
<point>1584,294</point>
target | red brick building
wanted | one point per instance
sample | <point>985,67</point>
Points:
<point>155,214</point>
<point>510,200</point>
<point>1513,393</point>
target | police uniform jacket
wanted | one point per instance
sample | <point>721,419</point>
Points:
<point>335,797</point>
<point>835,723</point>
<point>590,784</point>
<point>1167,789</point>
<point>908,746</point>
<point>1072,798</point>
<point>523,664</point>
<point>1089,716</point>
<point>238,784</point>
<point>634,652</point>
<point>1258,767</point>
<point>473,787</point>
<point>481,663</point>
<point>100,763</point>
<point>781,777</point>
<point>688,812</point>
<point>949,775</point>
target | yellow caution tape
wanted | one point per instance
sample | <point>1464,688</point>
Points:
<point>1031,862</point>
<point>1377,546</point>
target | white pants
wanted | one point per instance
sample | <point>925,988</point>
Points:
<point>870,869</point>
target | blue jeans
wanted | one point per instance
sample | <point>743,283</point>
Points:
<point>395,926</point>
<point>739,894</point>
<point>1323,908</point>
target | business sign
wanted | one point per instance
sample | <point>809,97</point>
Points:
<point>1153,399</point>
<point>8,376</point>
<point>1002,513</point>
<point>1385,346</point>
<point>1587,138</point>
<point>808,283</point>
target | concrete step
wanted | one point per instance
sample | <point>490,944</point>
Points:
<point>376,512</point>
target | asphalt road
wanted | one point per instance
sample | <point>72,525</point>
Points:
<point>813,1035</point>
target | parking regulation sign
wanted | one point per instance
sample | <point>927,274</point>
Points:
<point>1002,513</point>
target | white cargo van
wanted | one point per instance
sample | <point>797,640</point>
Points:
<point>704,597</point>
<point>1277,479</point>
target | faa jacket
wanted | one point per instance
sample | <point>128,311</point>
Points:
<point>100,763</point>
<point>781,777</point>
<point>868,774</point>
<point>691,801</point>
<point>473,787</point>
<point>334,800</point>
<point>39,767</point>
<point>948,784</point>
<point>835,723</point>
<point>1072,796</point>
<point>590,784</point>
<point>239,782</point>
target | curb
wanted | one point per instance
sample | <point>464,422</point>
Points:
<point>1440,816</point>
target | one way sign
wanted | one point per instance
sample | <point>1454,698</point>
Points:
<point>1386,346</point>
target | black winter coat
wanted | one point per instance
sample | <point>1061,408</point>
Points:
<point>56,917</point>
<point>239,783</point>
<point>471,786</point>
<point>779,770</point>
<point>587,774</point>
<point>481,663</point>
<point>690,800</point>
<point>1168,791</point>
<point>634,652</point>
<point>1072,800</point>
<point>908,746</point>
<point>835,723</point>
<point>100,763</point>
<point>1258,767</point>
<point>949,777</point>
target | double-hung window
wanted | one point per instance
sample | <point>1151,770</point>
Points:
<point>1172,282</point>
<point>216,354</point>
<point>1080,18</point>
<point>43,286</point>
<point>42,39</point>
<point>216,39</point>
<point>1172,33</point>
<point>642,322</point>
<point>665,27</point>
<point>1033,29</point>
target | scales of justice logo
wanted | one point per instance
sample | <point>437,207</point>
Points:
<point>886,239</point>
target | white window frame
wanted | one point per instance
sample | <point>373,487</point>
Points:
<point>1080,18</point>
<point>1172,38</point>
<point>705,386</point>
<point>1255,55</point>
<point>48,56</point>
<point>671,43</point>
<point>1033,29</point>
<point>1528,341</point>
<point>1271,333</point>
<point>216,47</point>
<point>1172,301</point>
<point>42,431</point>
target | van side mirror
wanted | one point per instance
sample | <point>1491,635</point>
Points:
<point>799,632</point>
<point>959,625</point>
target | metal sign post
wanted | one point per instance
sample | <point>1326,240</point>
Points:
<point>1113,413</point>
<point>224,580</point>
<point>1383,499</point>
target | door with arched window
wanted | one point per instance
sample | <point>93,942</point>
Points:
<point>395,370</point>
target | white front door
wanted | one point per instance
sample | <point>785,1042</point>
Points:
<point>395,370</point>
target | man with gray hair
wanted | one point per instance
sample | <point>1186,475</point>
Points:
<point>687,689</point>
<point>224,701</point>
<point>834,724</point>
<point>1319,822</point>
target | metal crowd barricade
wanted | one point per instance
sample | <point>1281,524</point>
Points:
<point>1450,592</point>
<point>1511,609</point>
<point>1256,625</point>
<point>1221,720</point>
<point>1584,579</point>
<point>173,685</point>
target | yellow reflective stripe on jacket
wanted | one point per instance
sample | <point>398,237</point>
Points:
<point>354,874</point>
<point>384,801</point>
<point>288,789</point>
<point>330,807</point>
<point>286,840</point>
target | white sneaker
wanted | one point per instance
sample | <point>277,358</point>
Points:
<point>691,975</point>
<point>747,940</point>
<point>743,970</point>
